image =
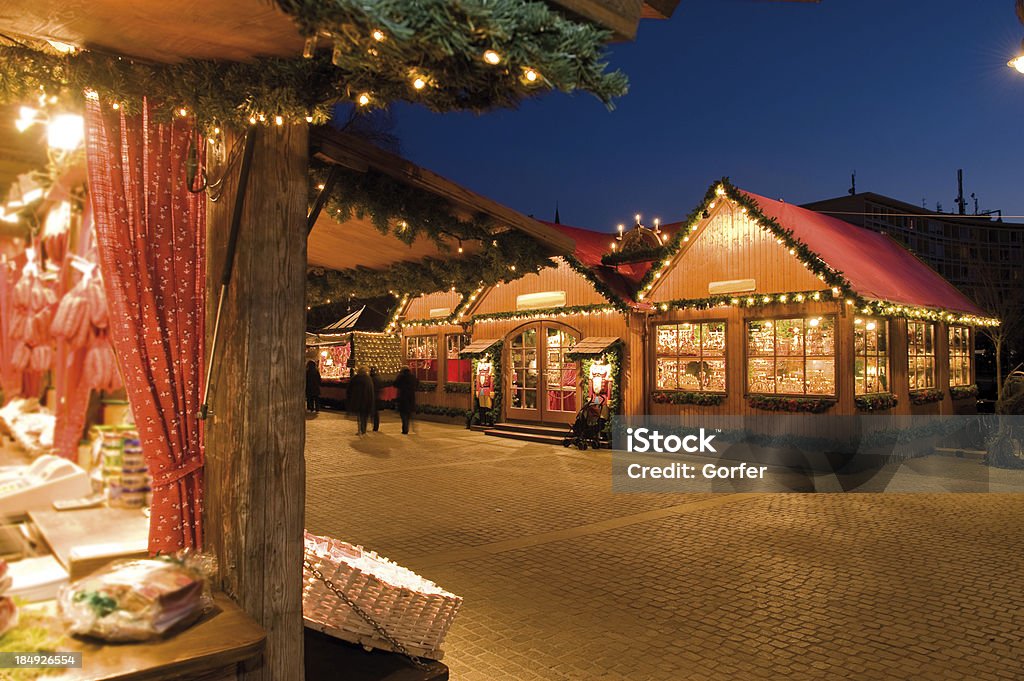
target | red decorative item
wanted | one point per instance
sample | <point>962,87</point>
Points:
<point>151,242</point>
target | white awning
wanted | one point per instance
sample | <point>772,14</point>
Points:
<point>594,345</point>
<point>478,346</point>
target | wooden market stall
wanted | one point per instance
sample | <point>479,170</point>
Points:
<point>750,306</point>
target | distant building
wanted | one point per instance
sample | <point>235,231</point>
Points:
<point>970,251</point>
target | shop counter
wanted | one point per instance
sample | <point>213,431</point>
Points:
<point>221,638</point>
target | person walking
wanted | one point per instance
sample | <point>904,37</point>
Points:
<point>312,387</point>
<point>406,384</point>
<point>360,398</point>
<point>378,385</point>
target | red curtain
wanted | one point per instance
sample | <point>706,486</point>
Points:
<point>150,234</point>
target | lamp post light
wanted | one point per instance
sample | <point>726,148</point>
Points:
<point>1018,61</point>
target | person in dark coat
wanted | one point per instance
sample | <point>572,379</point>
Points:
<point>378,385</point>
<point>360,398</point>
<point>312,387</point>
<point>406,384</point>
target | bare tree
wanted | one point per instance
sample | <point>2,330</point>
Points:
<point>1003,300</point>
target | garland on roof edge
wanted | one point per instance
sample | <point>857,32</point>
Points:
<point>471,55</point>
<point>407,213</point>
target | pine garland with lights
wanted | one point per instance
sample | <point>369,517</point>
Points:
<point>472,55</point>
<point>408,213</point>
<point>640,254</point>
<point>545,312</point>
<point>458,388</point>
<point>598,285</point>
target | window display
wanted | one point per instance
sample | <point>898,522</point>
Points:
<point>791,356</point>
<point>333,361</point>
<point>457,369</point>
<point>691,356</point>
<point>421,355</point>
<point>871,355</point>
<point>959,355</point>
<point>921,354</point>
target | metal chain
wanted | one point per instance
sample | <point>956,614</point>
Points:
<point>381,631</point>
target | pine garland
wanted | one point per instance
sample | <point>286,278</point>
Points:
<point>407,213</point>
<point>702,399</point>
<point>598,285</point>
<point>812,405</point>
<point>566,311</point>
<point>926,396</point>
<point>963,392</point>
<point>613,357</point>
<point>875,402</point>
<point>438,42</point>
<point>640,254</point>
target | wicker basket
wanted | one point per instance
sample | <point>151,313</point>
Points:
<point>412,610</point>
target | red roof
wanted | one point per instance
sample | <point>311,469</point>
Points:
<point>876,266</point>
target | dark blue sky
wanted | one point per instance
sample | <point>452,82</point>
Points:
<point>785,98</point>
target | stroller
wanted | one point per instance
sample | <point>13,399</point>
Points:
<point>586,429</point>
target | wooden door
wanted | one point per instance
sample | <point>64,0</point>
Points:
<point>543,385</point>
<point>524,374</point>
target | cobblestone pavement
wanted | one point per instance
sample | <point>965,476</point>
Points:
<point>564,580</point>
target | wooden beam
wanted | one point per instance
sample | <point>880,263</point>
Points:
<point>255,467</point>
<point>620,16</point>
<point>331,145</point>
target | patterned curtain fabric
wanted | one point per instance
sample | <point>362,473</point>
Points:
<point>151,236</point>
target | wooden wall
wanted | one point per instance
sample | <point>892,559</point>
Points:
<point>419,308</point>
<point>578,291</point>
<point>438,397</point>
<point>727,246</point>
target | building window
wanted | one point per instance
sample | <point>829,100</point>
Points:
<point>871,355</point>
<point>691,356</point>
<point>921,354</point>
<point>421,355</point>
<point>792,356</point>
<point>959,355</point>
<point>457,369</point>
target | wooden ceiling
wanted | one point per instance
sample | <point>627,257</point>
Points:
<point>344,245</point>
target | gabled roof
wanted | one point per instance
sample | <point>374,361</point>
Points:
<point>622,279</point>
<point>875,265</point>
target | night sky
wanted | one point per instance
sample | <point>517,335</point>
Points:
<point>784,98</point>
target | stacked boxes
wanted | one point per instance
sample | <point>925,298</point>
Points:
<point>125,475</point>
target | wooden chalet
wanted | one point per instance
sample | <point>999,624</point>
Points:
<point>752,306</point>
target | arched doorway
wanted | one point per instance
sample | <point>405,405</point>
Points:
<point>542,385</point>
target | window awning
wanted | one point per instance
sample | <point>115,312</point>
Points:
<point>594,345</point>
<point>478,346</point>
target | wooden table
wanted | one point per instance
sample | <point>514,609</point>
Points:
<point>219,640</point>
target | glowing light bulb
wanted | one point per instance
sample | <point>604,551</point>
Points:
<point>363,99</point>
<point>115,106</point>
<point>279,120</point>
<point>63,48</point>
<point>183,112</point>
<point>871,326</point>
<point>378,35</point>
<point>492,57</point>
<point>419,83</point>
<point>65,132</point>
<point>252,120</point>
<point>309,119</point>
<point>530,75</point>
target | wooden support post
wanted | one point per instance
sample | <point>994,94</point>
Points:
<point>255,470</point>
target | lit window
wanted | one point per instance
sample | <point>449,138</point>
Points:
<point>792,356</point>
<point>921,354</point>
<point>691,356</point>
<point>421,355</point>
<point>959,355</point>
<point>871,355</point>
<point>457,369</point>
